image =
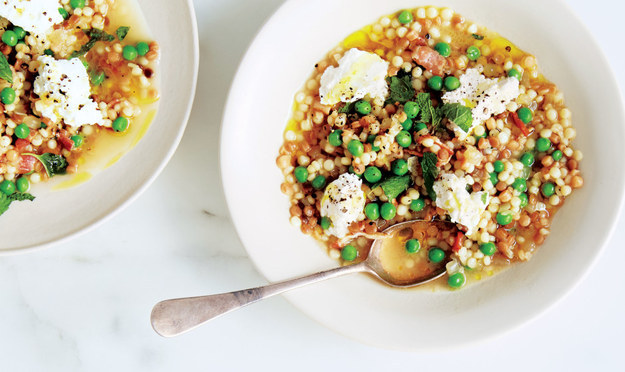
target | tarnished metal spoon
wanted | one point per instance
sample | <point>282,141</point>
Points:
<point>172,317</point>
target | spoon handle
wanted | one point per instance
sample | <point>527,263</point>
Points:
<point>173,317</point>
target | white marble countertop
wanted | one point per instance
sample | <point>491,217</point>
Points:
<point>85,305</point>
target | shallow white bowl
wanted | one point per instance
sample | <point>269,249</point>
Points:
<point>276,66</point>
<point>56,216</point>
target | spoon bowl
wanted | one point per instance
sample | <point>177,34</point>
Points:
<point>176,316</point>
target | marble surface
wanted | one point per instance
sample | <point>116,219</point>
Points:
<point>85,305</point>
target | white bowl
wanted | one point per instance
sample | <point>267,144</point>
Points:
<point>57,216</point>
<point>276,66</point>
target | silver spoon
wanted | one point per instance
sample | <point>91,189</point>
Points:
<point>172,317</point>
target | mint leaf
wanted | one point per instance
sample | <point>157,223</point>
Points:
<point>429,113</point>
<point>393,186</point>
<point>54,164</point>
<point>121,32</point>
<point>94,35</point>
<point>5,69</point>
<point>459,114</point>
<point>401,88</point>
<point>347,109</point>
<point>430,172</point>
<point>6,200</point>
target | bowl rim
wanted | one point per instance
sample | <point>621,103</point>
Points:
<point>237,83</point>
<point>113,211</point>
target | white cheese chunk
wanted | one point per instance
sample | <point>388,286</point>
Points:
<point>486,97</point>
<point>463,208</point>
<point>343,201</point>
<point>36,16</point>
<point>359,74</point>
<point>64,91</point>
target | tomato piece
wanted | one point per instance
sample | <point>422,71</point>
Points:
<point>20,144</point>
<point>458,242</point>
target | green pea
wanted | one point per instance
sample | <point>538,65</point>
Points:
<point>356,148</point>
<point>473,53</point>
<point>301,174</point>
<point>372,211</point>
<point>519,185</point>
<point>10,38</point>
<point>493,178</point>
<point>77,3</point>
<point>120,124</point>
<point>78,140</point>
<point>525,115</point>
<point>318,182</point>
<point>7,95</point>
<point>548,189</point>
<point>543,144</point>
<point>371,139</point>
<point>407,125</point>
<point>19,32</point>
<point>143,48</point>
<point>98,78</point>
<point>456,280</point>
<point>436,255</point>
<point>504,218</point>
<point>524,200</point>
<point>513,72</point>
<point>435,82</point>
<point>403,138</point>
<point>349,253</point>
<point>63,13</point>
<point>373,174</point>
<point>22,131</point>
<point>399,167</point>
<point>527,159</point>
<point>488,249</point>
<point>417,205</point>
<point>411,109</point>
<point>452,83</point>
<point>363,107</point>
<point>129,52</point>
<point>388,211</point>
<point>413,246</point>
<point>405,17</point>
<point>335,138</point>
<point>7,187</point>
<point>420,126</point>
<point>443,49</point>
<point>499,166</point>
<point>556,155</point>
<point>22,184</point>
<point>324,223</point>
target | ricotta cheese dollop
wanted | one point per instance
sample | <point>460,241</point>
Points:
<point>64,91</point>
<point>343,201</point>
<point>486,97</point>
<point>463,208</point>
<point>36,16</point>
<point>359,73</point>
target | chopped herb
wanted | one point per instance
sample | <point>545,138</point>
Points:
<point>459,115</point>
<point>54,164</point>
<point>122,32</point>
<point>401,88</point>
<point>348,108</point>
<point>477,37</point>
<point>5,69</point>
<point>94,35</point>
<point>6,200</point>
<point>484,196</point>
<point>430,172</point>
<point>48,52</point>
<point>393,186</point>
<point>429,114</point>
<point>43,125</point>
